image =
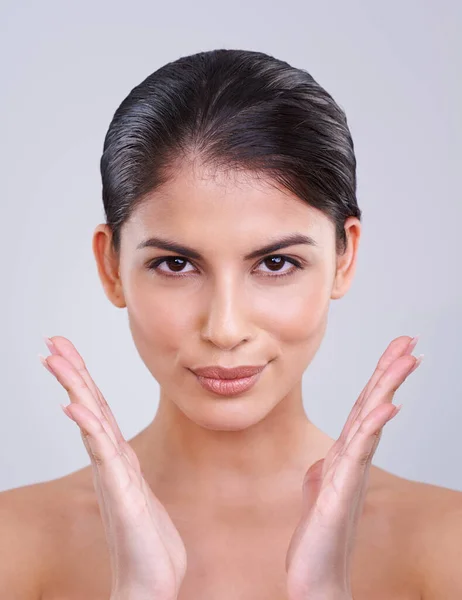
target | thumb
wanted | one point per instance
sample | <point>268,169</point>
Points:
<point>312,484</point>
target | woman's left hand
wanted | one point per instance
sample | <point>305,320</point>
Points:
<point>334,488</point>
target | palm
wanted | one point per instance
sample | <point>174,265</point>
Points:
<point>147,554</point>
<point>334,489</point>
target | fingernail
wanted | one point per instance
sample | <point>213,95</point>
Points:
<point>395,412</point>
<point>413,343</point>
<point>418,362</point>
<point>66,412</point>
<point>45,364</point>
<point>51,347</point>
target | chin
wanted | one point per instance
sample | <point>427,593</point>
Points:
<point>226,414</point>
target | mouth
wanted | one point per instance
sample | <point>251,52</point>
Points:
<point>228,373</point>
<point>229,387</point>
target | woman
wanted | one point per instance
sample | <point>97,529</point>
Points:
<point>229,189</point>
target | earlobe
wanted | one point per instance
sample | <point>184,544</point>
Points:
<point>107,262</point>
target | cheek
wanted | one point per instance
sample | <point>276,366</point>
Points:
<point>298,326</point>
<point>299,312</point>
<point>294,314</point>
<point>158,327</point>
<point>158,319</point>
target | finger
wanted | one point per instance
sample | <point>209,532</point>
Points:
<point>401,346</point>
<point>342,494</point>
<point>64,347</point>
<point>382,393</point>
<point>311,486</point>
<point>385,389</point>
<point>77,389</point>
<point>112,476</point>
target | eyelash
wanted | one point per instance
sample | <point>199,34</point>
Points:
<point>154,265</point>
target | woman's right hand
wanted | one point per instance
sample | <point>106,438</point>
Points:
<point>148,557</point>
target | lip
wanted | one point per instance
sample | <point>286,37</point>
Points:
<point>229,387</point>
<point>220,373</point>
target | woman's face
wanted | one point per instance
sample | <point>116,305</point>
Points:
<point>220,308</point>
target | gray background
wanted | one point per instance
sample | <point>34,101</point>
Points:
<point>395,67</point>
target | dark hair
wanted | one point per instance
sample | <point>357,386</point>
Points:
<point>230,109</point>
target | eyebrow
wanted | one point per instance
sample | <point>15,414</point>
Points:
<point>276,244</point>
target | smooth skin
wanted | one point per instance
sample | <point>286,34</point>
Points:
<point>319,558</point>
<point>229,465</point>
<point>148,557</point>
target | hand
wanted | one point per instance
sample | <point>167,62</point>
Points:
<point>148,557</point>
<point>334,488</point>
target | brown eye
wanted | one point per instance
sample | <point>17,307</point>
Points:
<point>175,264</point>
<point>274,262</point>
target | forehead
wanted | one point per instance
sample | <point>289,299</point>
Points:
<point>201,205</point>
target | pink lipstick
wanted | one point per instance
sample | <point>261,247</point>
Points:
<point>228,382</point>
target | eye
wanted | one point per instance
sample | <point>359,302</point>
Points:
<point>177,261</point>
<point>275,260</point>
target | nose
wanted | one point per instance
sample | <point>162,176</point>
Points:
<point>225,321</point>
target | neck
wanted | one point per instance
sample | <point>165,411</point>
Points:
<point>272,454</point>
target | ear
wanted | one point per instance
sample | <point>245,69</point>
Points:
<point>346,262</point>
<point>107,261</point>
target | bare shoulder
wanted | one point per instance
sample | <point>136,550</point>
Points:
<point>32,517</point>
<point>438,541</point>
<point>430,517</point>
<point>22,542</point>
